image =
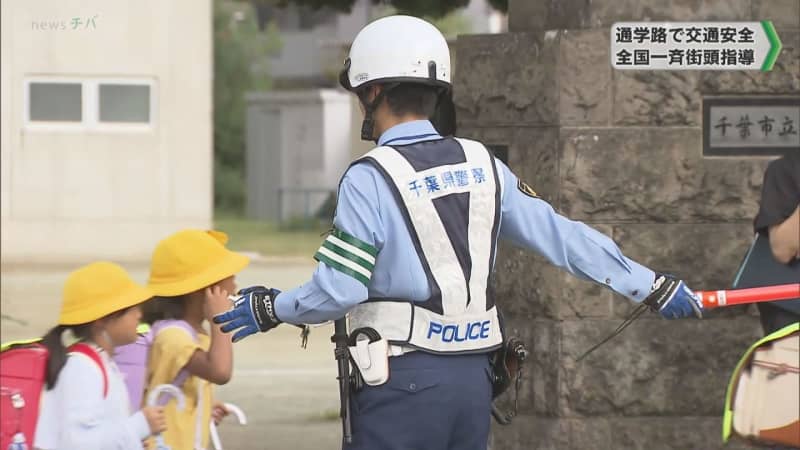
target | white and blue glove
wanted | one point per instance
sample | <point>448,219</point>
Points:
<point>252,312</point>
<point>671,298</point>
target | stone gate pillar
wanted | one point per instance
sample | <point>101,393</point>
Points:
<point>621,151</point>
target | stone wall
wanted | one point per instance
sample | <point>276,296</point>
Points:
<point>621,151</point>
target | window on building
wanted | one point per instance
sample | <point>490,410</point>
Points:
<point>56,102</point>
<point>91,103</point>
<point>124,103</point>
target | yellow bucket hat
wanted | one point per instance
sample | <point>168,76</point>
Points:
<point>97,290</point>
<point>191,260</point>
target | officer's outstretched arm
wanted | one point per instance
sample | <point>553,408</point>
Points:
<point>531,222</point>
<point>346,260</point>
<point>346,257</point>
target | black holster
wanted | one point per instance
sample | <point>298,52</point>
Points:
<point>342,355</point>
<point>507,363</point>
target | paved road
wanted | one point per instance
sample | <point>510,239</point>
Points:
<point>289,394</point>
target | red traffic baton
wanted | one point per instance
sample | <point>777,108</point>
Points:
<point>730,297</point>
<point>715,299</point>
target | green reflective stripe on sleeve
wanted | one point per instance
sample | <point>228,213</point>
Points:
<point>355,242</point>
<point>348,255</point>
<point>352,249</point>
<point>344,262</point>
<point>336,265</point>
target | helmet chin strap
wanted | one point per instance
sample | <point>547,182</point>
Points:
<point>444,117</point>
<point>368,125</point>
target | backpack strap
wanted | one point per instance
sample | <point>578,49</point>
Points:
<point>162,325</point>
<point>183,374</point>
<point>86,349</point>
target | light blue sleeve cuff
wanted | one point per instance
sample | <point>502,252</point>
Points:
<point>636,286</point>
<point>285,307</point>
<point>137,423</point>
<point>329,295</point>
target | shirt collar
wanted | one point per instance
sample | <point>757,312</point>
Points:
<point>409,132</point>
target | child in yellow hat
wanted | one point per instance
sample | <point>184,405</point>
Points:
<point>86,402</point>
<point>191,273</point>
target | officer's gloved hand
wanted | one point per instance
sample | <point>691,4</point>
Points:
<point>252,312</point>
<point>671,298</point>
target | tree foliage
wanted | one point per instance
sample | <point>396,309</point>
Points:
<point>450,25</point>
<point>240,57</point>
<point>500,5</point>
<point>241,52</point>
<point>419,8</point>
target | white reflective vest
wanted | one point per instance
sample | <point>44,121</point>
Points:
<point>450,192</point>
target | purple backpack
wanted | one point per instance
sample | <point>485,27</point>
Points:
<point>132,359</point>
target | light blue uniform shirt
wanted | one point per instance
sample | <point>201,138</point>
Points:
<point>367,210</point>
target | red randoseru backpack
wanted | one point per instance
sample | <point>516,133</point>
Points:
<point>22,380</point>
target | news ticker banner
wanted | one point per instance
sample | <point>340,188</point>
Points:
<point>694,45</point>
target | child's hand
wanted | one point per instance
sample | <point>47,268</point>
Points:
<point>217,302</point>
<point>155,418</point>
<point>219,412</point>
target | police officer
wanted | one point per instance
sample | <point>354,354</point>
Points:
<point>778,224</point>
<point>413,247</point>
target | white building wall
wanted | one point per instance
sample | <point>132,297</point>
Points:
<point>484,19</point>
<point>76,195</point>
<point>337,120</point>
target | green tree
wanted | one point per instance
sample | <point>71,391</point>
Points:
<point>450,25</point>
<point>500,5</point>
<point>419,8</point>
<point>240,65</point>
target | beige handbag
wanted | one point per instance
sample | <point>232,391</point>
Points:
<point>763,400</point>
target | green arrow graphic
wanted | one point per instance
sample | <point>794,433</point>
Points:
<point>774,45</point>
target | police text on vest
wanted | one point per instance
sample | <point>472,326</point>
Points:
<point>470,332</point>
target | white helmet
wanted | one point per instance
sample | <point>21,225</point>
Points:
<point>398,49</point>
